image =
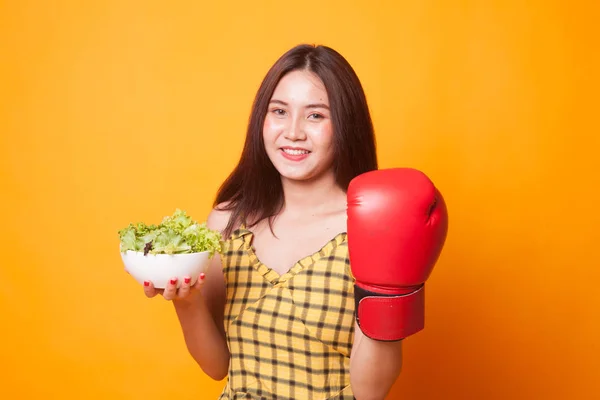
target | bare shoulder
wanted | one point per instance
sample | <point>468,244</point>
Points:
<point>214,286</point>
<point>218,218</point>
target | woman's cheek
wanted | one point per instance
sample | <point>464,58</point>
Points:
<point>322,134</point>
<point>271,127</point>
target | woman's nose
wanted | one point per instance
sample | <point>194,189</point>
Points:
<point>295,131</point>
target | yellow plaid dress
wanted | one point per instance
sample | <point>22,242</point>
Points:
<point>290,336</point>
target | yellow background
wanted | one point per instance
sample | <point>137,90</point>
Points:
<point>121,111</point>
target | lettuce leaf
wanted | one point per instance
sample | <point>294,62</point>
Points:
<point>176,234</point>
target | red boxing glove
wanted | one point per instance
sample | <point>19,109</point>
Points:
<point>397,226</point>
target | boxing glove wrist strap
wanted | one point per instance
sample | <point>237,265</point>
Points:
<point>389,317</point>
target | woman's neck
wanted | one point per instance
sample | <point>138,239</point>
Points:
<point>316,196</point>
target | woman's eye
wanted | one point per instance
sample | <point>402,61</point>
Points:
<point>315,115</point>
<point>278,111</point>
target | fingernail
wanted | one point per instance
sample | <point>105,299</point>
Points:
<point>202,275</point>
<point>187,279</point>
<point>146,283</point>
<point>173,281</point>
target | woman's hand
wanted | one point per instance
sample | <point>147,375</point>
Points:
<point>185,293</point>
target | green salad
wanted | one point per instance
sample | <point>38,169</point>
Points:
<point>176,234</point>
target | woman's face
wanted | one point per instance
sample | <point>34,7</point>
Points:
<point>297,131</point>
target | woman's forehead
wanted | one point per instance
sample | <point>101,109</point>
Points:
<point>301,87</point>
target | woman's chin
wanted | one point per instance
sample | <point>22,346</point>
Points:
<point>303,177</point>
<point>303,172</point>
<point>294,176</point>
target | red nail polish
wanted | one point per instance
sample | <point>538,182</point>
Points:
<point>173,281</point>
<point>187,280</point>
<point>146,283</point>
<point>202,276</point>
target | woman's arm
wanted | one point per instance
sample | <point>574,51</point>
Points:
<point>201,317</point>
<point>374,366</point>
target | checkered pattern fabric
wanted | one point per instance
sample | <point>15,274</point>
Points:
<point>290,335</point>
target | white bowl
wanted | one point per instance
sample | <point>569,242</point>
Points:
<point>160,268</point>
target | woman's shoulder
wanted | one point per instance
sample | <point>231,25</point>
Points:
<point>219,216</point>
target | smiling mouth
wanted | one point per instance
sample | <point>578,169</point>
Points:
<point>295,152</point>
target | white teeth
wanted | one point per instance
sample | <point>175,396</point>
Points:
<point>295,152</point>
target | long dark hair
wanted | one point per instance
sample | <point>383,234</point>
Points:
<point>253,191</point>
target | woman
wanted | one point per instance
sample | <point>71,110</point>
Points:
<point>275,311</point>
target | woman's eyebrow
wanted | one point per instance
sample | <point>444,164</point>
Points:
<point>318,105</point>
<point>312,105</point>
<point>283,103</point>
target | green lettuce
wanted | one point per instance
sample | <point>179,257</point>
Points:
<point>176,234</point>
